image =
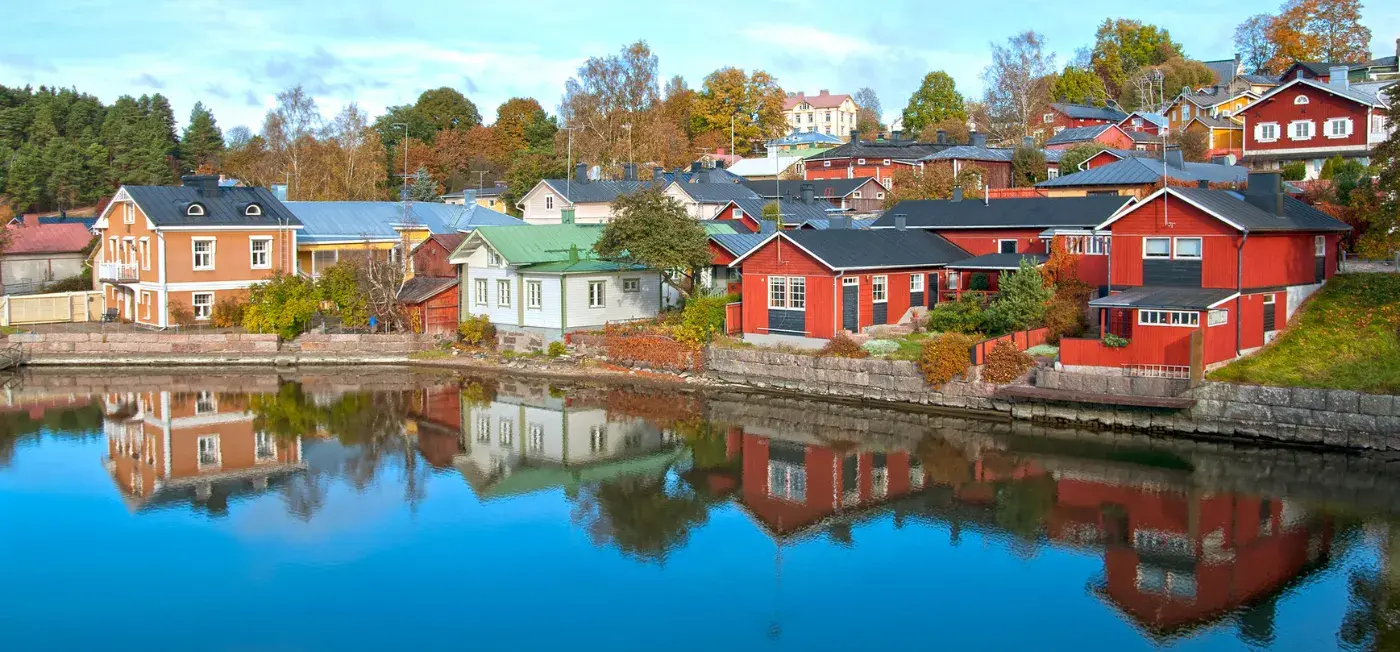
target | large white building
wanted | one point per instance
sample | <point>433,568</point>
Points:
<point>823,113</point>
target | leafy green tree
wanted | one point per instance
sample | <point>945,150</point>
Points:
<point>652,229</point>
<point>1028,166</point>
<point>1378,205</point>
<point>67,172</point>
<point>340,285</point>
<point>639,515</point>
<point>936,99</point>
<point>1024,296</point>
<point>423,188</point>
<point>754,101</point>
<point>1072,158</point>
<point>1193,143</point>
<point>446,108</point>
<point>283,304</point>
<point>1122,47</point>
<point>203,142</point>
<point>1079,86</point>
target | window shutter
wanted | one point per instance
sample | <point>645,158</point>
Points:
<point>1258,132</point>
<point>1348,124</point>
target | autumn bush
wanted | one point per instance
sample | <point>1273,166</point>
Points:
<point>967,314</point>
<point>642,344</point>
<point>1005,363</point>
<point>181,313</point>
<point>283,304</point>
<point>842,346</point>
<point>1064,317</point>
<point>227,313</point>
<point>557,349</point>
<point>477,330</point>
<point>701,319</point>
<point>945,357</point>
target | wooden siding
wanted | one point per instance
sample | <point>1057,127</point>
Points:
<point>979,242</point>
<point>1218,241</point>
<point>1321,106</point>
<point>430,259</point>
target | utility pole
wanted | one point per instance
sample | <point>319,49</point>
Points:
<point>479,175</point>
<point>731,133</point>
<point>403,192</point>
<point>628,127</point>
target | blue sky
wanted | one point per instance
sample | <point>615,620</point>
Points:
<point>234,56</point>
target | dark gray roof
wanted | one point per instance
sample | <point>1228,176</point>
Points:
<point>1140,170</point>
<point>1077,134</point>
<point>837,187</point>
<point>421,288</point>
<point>1231,205</point>
<point>1218,122</point>
<point>1140,136</point>
<point>739,243</point>
<point>825,223</point>
<point>717,193</point>
<point>1017,213</point>
<point>793,211</point>
<point>706,175</point>
<point>1170,298</point>
<point>857,249</point>
<point>1224,69</point>
<point>594,191</point>
<point>999,261</point>
<point>972,153</point>
<point>166,206</point>
<point>1085,112</point>
<point>1155,118</point>
<point>1260,79</point>
<point>899,150</point>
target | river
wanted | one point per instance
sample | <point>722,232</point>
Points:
<point>381,509</point>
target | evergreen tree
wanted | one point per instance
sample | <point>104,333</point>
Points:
<point>25,180</point>
<point>203,142</point>
<point>63,162</point>
<point>423,187</point>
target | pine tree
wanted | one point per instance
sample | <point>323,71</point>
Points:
<point>64,164</point>
<point>423,188</point>
<point>203,142</point>
<point>25,180</point>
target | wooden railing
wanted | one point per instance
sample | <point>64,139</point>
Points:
<point>118,272</point>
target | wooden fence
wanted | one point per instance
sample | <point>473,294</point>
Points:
<point>733,318</point>
<point>1022,340</point>
<point>61,307</point>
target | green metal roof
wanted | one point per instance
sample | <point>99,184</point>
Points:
<point>580,267</point>
<point>545,243</point>
<point>721,227</point>
<point>536,478</point>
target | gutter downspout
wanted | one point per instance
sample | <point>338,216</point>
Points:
<point>1239,292</point>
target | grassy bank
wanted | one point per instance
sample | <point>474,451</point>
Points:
<point>1347,337</point>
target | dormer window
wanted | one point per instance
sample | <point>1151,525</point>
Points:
<point>195,210</point>
<point>1301,99</point>
<point>253,210</point>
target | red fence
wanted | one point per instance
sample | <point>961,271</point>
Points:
<point>733,318</point>
<point>1022,340</point>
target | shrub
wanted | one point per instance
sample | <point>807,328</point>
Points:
<point>557,349</point>
<point>842,346</point>
<point>1064,317</point>
<point>880,347</point>
<point>945,357</point>
<point>1113,341</point>
<point>477,331</point>
<point>1005,363</point>
<point>339,284</point>
<point>283,304</point>
<point>80,283</point>
<point>1043,351</point>
<point>1022,302</point>
<point>979,283</point>
<point>965,315</point>
<point>701,319</point>
<point>228,312</point>
<point>1295,171</point>
<point>181,314</point>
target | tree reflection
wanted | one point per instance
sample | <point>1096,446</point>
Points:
<point>639,515</point>
<point>1372,620</point>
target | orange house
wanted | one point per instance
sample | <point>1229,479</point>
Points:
<point>190,245</point>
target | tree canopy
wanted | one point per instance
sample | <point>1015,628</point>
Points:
<point>754,100</point>
<point>652,229</point>
<point>937,99</point>
<point>1122,47</point>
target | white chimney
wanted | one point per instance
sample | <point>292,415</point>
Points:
<point>1337,77</point>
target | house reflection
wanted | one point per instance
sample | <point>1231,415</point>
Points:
<point>201,448</point>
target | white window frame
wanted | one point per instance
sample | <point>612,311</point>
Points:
<point>1293,130</point>
<point>887,161</point>
<point>1176,249</point>
<point>1301,99</point>
<point>1173,318</point>
<point>1052,173</point>
<point>129,213</point>
<point>195,305</point>
<point>1015,245</point>
<point>1147,254</point>
<point>797,293</point>
<point>860,161</point>
<point>1273,131</point>
<point>146,301</point>
<point>534,295</point>
<point>1319,245</point>
<point>253,253</point>
<point>483,428</point>
<point>261,441</point>
<point>492,258</point>
<point>217,449</point>
<point>502,293</point>
<point>535,436</point>
<point>631,285</point>
<point>879,289</point>
<point>481,298</point>
<point>195,210</point>
<point>194,254</point>
<point>1218,318</point>
<point>144,246</point>
<point>253,210</point>
<point>826,164</point>
<point>855,195</point>
<point>1047,118</point>
<point>879,195</point>
<point>1329,127</point>
<point>206,402</point>
<point>597,294</point>
<point>777,292</point>
<point>549,202</point>
<point>916,282</point>
<point>505,436</point>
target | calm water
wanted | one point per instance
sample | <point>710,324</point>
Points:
<point>382,510</point>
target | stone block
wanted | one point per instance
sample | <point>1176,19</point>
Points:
<point>1359,422</point>
<point>1341,400</point>
<point>1388,425</point>
<point>1248,412</point>
<point>345,337</point>
<point>1118,385</point>
<point>1275,396</point>
<point>1311,399</point>
<point>1292,415</point>
<point>1325,419</point>
<point>1377,404</point>
<point>1308,435</point>
<point>1095,384</point>
<point>1246,394</point>
<point>1208,409</point>
<point>1335,438</point>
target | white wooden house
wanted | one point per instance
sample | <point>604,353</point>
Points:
<point>546,280</point>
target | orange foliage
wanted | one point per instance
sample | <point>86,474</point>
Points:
<point>645,346</point>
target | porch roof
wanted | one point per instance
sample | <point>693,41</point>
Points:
<point>1165,298</point>
<point>999,261</point>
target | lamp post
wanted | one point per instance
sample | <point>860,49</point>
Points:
<point>403,192</point>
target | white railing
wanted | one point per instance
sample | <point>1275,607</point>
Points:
<point>118,272</point>
<point>1157,371</point>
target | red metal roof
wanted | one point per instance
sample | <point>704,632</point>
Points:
<point>47,239</point>
<point>822,100</point>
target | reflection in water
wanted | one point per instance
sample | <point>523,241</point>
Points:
<point>1186,537</point>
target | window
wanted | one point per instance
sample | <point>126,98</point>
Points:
<point>1301,99</point>
<point>1300,130</point>
<point>879,195</point>
<point>1338,128</point>
<point>203,304</point>
<point>597,439</point>
<point>1266,132</point>
<point>828,116</point>
<point>787,480</point>
<point>1157,247</point>
<point>195,210</point>
<point>253,210</point>
<point>1218,318</point>
<point>145,246</point>
<point>916,282</point>
<point>535,433</point>
<point>492,258</point>
<point>860,161</point>
<point>1188,248</point>
<point>887,161</point>
<point>596,293</point>
<point>1006,246</point>
<point>877,288</point>
<point>534,294</point>
<point>1047,118</point>
<point>129,213</point>
<point>797,293</point>
<point>203,253</point>
<point>480,287</point>
<point>483,429</point>
<point>265,447</point>
<point>146,304</point>
<point>204,403</point>
<point>1319,245</point>
<point>1168,318</point>
<point>261,250</point>
<point>208,451</point>
<point>503,293</point>
<point>953,280</point>
<point>507,434</point>
<point>1052,173</point>
<point>777,292</point>
<point>549,202</point>
<point>826,164</point>
<point>631,285</point>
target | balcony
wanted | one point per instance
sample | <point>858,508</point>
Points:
<point>118,272</point>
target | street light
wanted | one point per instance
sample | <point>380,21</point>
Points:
<point>403,192</point>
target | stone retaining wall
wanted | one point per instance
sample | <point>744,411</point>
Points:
<point>520,342</point>
<point>1327,416</point>
<point>77,347</point>
<point>378,343</point>
<point>1117,384</point>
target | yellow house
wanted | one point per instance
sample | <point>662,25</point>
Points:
<point>1214,102</point>
<point>485,197</point>
<point>1224,136</point>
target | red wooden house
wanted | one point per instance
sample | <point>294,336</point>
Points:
<point>1063,115</point>
<point>879,159</point>
<point>1108,135</point>
<point>1310,121</point>
<point>816,283</point>
<point>995,162</point>
<point>430,291</point>
<point>1232,267</point>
